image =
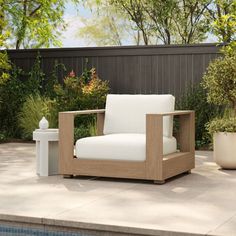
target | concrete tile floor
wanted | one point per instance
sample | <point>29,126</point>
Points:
<point>202,203</point>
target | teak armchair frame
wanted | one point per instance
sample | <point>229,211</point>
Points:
<point>156,167</point>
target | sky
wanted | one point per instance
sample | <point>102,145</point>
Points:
<point>72,18</point>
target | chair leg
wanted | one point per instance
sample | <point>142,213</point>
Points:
<point>68,176</point>
<point>159,182</point>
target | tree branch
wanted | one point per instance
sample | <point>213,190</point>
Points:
<point>35,10</point>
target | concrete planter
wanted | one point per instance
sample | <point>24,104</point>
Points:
<point>225,149</point>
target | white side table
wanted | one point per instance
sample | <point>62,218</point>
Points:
<point>46,151</point>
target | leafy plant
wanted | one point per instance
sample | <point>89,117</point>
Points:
<point>195,98</point>
<point>33,24</point>
<point>222,125</point>
<point>15,90</point>
<point>36,77</point>
<point>13,93</point>
<point>5,66</point>
<point>85,130</point>
<point>220,83</point>
<point>3,138</point>
<point>224,16</point>
<point>79,93</point>
<point>53,80</point>
<point>34,108</point>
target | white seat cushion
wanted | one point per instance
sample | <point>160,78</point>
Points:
<point>127,113</point>
<point>129,147</point>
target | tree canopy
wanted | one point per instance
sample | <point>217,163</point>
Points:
<point>169,21</point>
<point>32,24</point>
<point>223,15</point>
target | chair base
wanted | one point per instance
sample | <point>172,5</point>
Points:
<point>159,182</point>
<point>172,165</point>
<point>68,176</point>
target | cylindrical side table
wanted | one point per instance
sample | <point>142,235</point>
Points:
<point>46,151</point>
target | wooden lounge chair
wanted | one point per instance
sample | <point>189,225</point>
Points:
<point>135,140</point>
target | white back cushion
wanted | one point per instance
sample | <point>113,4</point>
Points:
<point>127,113</point>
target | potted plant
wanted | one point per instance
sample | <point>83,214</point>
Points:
<point>220,82</point>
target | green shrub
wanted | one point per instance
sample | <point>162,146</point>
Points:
<point>5,66</point>
<point>220,83</point>
<point>13,93</point>
<point>195,98</point>
<point>222,125</point>
<point>84,92</point>
<point>79,93</point>
<point>3,138</point>
<point>52,80</point>
<point>21,109</point>
<point>83,130</point>
<point>15,90</point>
<point>34,108</point>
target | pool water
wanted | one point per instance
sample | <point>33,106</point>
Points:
<point>6,230</point>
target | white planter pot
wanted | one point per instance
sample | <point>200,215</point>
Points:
<point>225,149</point>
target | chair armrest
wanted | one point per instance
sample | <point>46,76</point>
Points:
<point>174,113</point>
<point>66,134</point>
<point>83,112</point>
<point>154,139</point>
<point>186,130</point>
<point>66,122</point>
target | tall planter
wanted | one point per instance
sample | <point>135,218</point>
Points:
<point>225,149</point>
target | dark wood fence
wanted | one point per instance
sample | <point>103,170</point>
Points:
<point>130,69</point>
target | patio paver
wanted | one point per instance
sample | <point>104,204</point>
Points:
<point>202,203</point>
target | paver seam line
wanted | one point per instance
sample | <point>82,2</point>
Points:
<point>221,224</point>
